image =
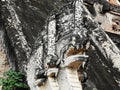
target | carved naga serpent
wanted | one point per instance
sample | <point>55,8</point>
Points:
<point>62,50</point>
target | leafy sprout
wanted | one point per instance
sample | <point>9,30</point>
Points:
<point>12,80</point>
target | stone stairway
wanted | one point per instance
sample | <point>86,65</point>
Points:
<point>67,77</point>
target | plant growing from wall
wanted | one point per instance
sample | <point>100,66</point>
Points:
<point>12,80</point>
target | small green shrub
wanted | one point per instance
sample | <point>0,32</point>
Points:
<point>12,80</point>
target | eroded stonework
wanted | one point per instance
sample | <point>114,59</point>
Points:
<point>73,35</point>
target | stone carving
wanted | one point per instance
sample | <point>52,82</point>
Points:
<point>71,45</point>
<point>66,46</point>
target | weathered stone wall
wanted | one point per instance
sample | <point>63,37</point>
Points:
<point>3,59</point>
<point>27,39</point>
<point>4,64</point>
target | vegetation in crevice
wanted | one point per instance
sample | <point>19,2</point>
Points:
<point>13,80</point>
